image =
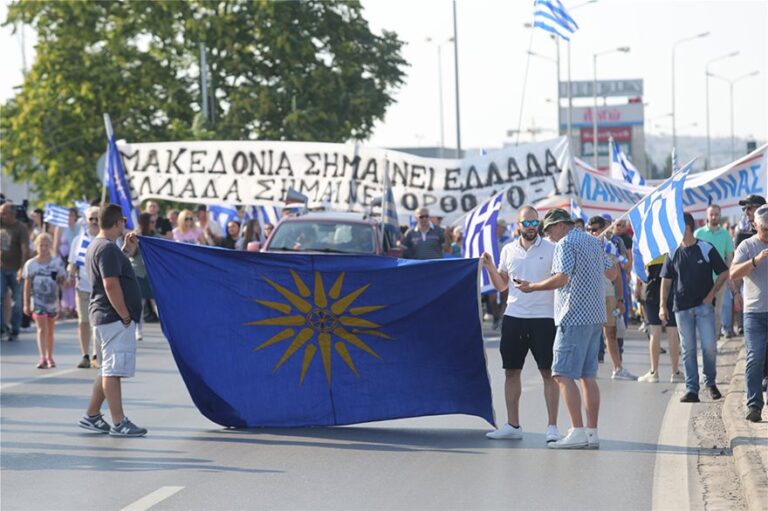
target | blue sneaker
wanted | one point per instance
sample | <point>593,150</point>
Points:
<point>97,424</point>
<point>127,428</point>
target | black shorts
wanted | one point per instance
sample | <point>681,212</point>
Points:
<point>518,335</point>
<point>652,314</point>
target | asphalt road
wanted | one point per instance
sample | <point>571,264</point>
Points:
<point>188,462</point>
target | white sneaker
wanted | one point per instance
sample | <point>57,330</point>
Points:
<point>552,434</point>
<point>649,377</point>
<point>506,432</point>
<point>677,377</point>
<point>575,439</point>
<point>622,374</point>
<point>593,441</point>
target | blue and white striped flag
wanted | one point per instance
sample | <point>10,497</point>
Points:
<point>223,214</point>
<point>389,208</point>
<point>621,166</point>
<point>82,206</point>
<point>576,211</point>
<point>613,250</point>
<point>85,240</point>
<point>675,165</point>
<point>480,234</point>
<point>56,215</point>
<point>550,15</point>
<point>658,221</point>
<point>264,215</point>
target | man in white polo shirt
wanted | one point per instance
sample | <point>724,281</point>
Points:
<point>528,321</point>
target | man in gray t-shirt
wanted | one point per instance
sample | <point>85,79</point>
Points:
<point>114,310</point>
<point>750,262</point>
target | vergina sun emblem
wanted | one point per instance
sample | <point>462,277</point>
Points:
<point>316,319</point>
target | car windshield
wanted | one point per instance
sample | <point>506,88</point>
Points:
<point>307,236</point>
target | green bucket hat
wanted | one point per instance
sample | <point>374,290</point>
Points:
<point>554,216</point>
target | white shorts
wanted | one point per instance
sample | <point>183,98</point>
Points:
<point>117,348</point>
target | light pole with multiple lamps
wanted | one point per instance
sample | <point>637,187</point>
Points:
<point>674,47</point>
<point>706,72</point>
<point>732,81</point>
<point>622,49</point>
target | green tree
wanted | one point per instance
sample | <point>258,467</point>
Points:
<point>309,70</point>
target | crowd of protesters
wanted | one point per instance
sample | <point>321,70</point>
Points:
<point>689,294</point>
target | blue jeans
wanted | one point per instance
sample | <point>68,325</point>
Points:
<point>755,340</point>
<point>8,280</point>
<point>699,319</point>
<point>726,316</point>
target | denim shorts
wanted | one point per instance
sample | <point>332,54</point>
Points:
<point>117,348</point>
<point>575,351</point>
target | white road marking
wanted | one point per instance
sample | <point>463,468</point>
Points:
<point>671,480</point>
<point>153,498</point>
<point>50,374</point>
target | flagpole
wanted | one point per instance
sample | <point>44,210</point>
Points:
<point>110,133</point>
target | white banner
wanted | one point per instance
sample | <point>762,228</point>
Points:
<point>345,176</point>
<point>725,187</point>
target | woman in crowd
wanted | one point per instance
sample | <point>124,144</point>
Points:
<point>62,239</point>
<point>233,235</point>
<point>43,276</point>
<point>250,233</point>
<point>186,231</point>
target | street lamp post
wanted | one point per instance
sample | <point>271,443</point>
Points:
<point>622,49</point>
<point>456,76</point>
<point>732,81</point>
<point>674,47</point>
<point>440,90</point>
<point>709,147</point>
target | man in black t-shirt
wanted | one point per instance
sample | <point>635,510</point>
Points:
<point>691,266</point>
<point>114,311</point>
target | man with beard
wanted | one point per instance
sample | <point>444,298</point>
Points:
<point>528,321</point>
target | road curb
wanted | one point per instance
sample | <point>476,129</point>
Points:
<point>745,438</point>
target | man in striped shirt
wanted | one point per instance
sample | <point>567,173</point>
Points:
<point>425,241</point>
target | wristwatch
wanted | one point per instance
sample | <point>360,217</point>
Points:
<point>126,321</point>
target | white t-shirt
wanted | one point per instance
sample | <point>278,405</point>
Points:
<point>532,265</point>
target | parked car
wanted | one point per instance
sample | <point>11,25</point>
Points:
<point>332,233</point>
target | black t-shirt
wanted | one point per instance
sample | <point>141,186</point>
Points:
<point>653,287</point>
<point>105,259</point>
<point>162,226</point>
<point>627,239</point>
<point>743,235</point>
<point>692,268</point>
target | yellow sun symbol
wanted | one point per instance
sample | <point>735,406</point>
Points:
<point>321,318</point>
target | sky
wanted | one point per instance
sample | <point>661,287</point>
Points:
<point>493,44</point>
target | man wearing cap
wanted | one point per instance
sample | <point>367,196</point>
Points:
<point>751,264</point>
<point>528,322</point>
<point>578,263</point>
<point>749,206</point>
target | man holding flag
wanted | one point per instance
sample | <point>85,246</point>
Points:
<point>692,265</point>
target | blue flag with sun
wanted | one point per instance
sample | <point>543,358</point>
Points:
<point>320,340</point>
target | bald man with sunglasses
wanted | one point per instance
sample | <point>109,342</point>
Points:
<point>528,323</point>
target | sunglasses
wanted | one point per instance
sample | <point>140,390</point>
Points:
<point>189,219</point>
<point>530,223</point>
<point>94,219</point>
<point>594,229</point>
<point>422,217</point>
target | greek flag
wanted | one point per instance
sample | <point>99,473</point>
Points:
<point>262,214</point>
<point>117,185</point>
<point>550,15</point>
<point>56,215</point>
<point>576,211</point>
<point>613,250</point>
<point>675,165</point>
<point>480,234</point>
<point>621,166</point>
<point>223,214</point>
<point>82,206</point>
<point>389,208</point>
<point>658,221</point>
<point>82,248</point>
